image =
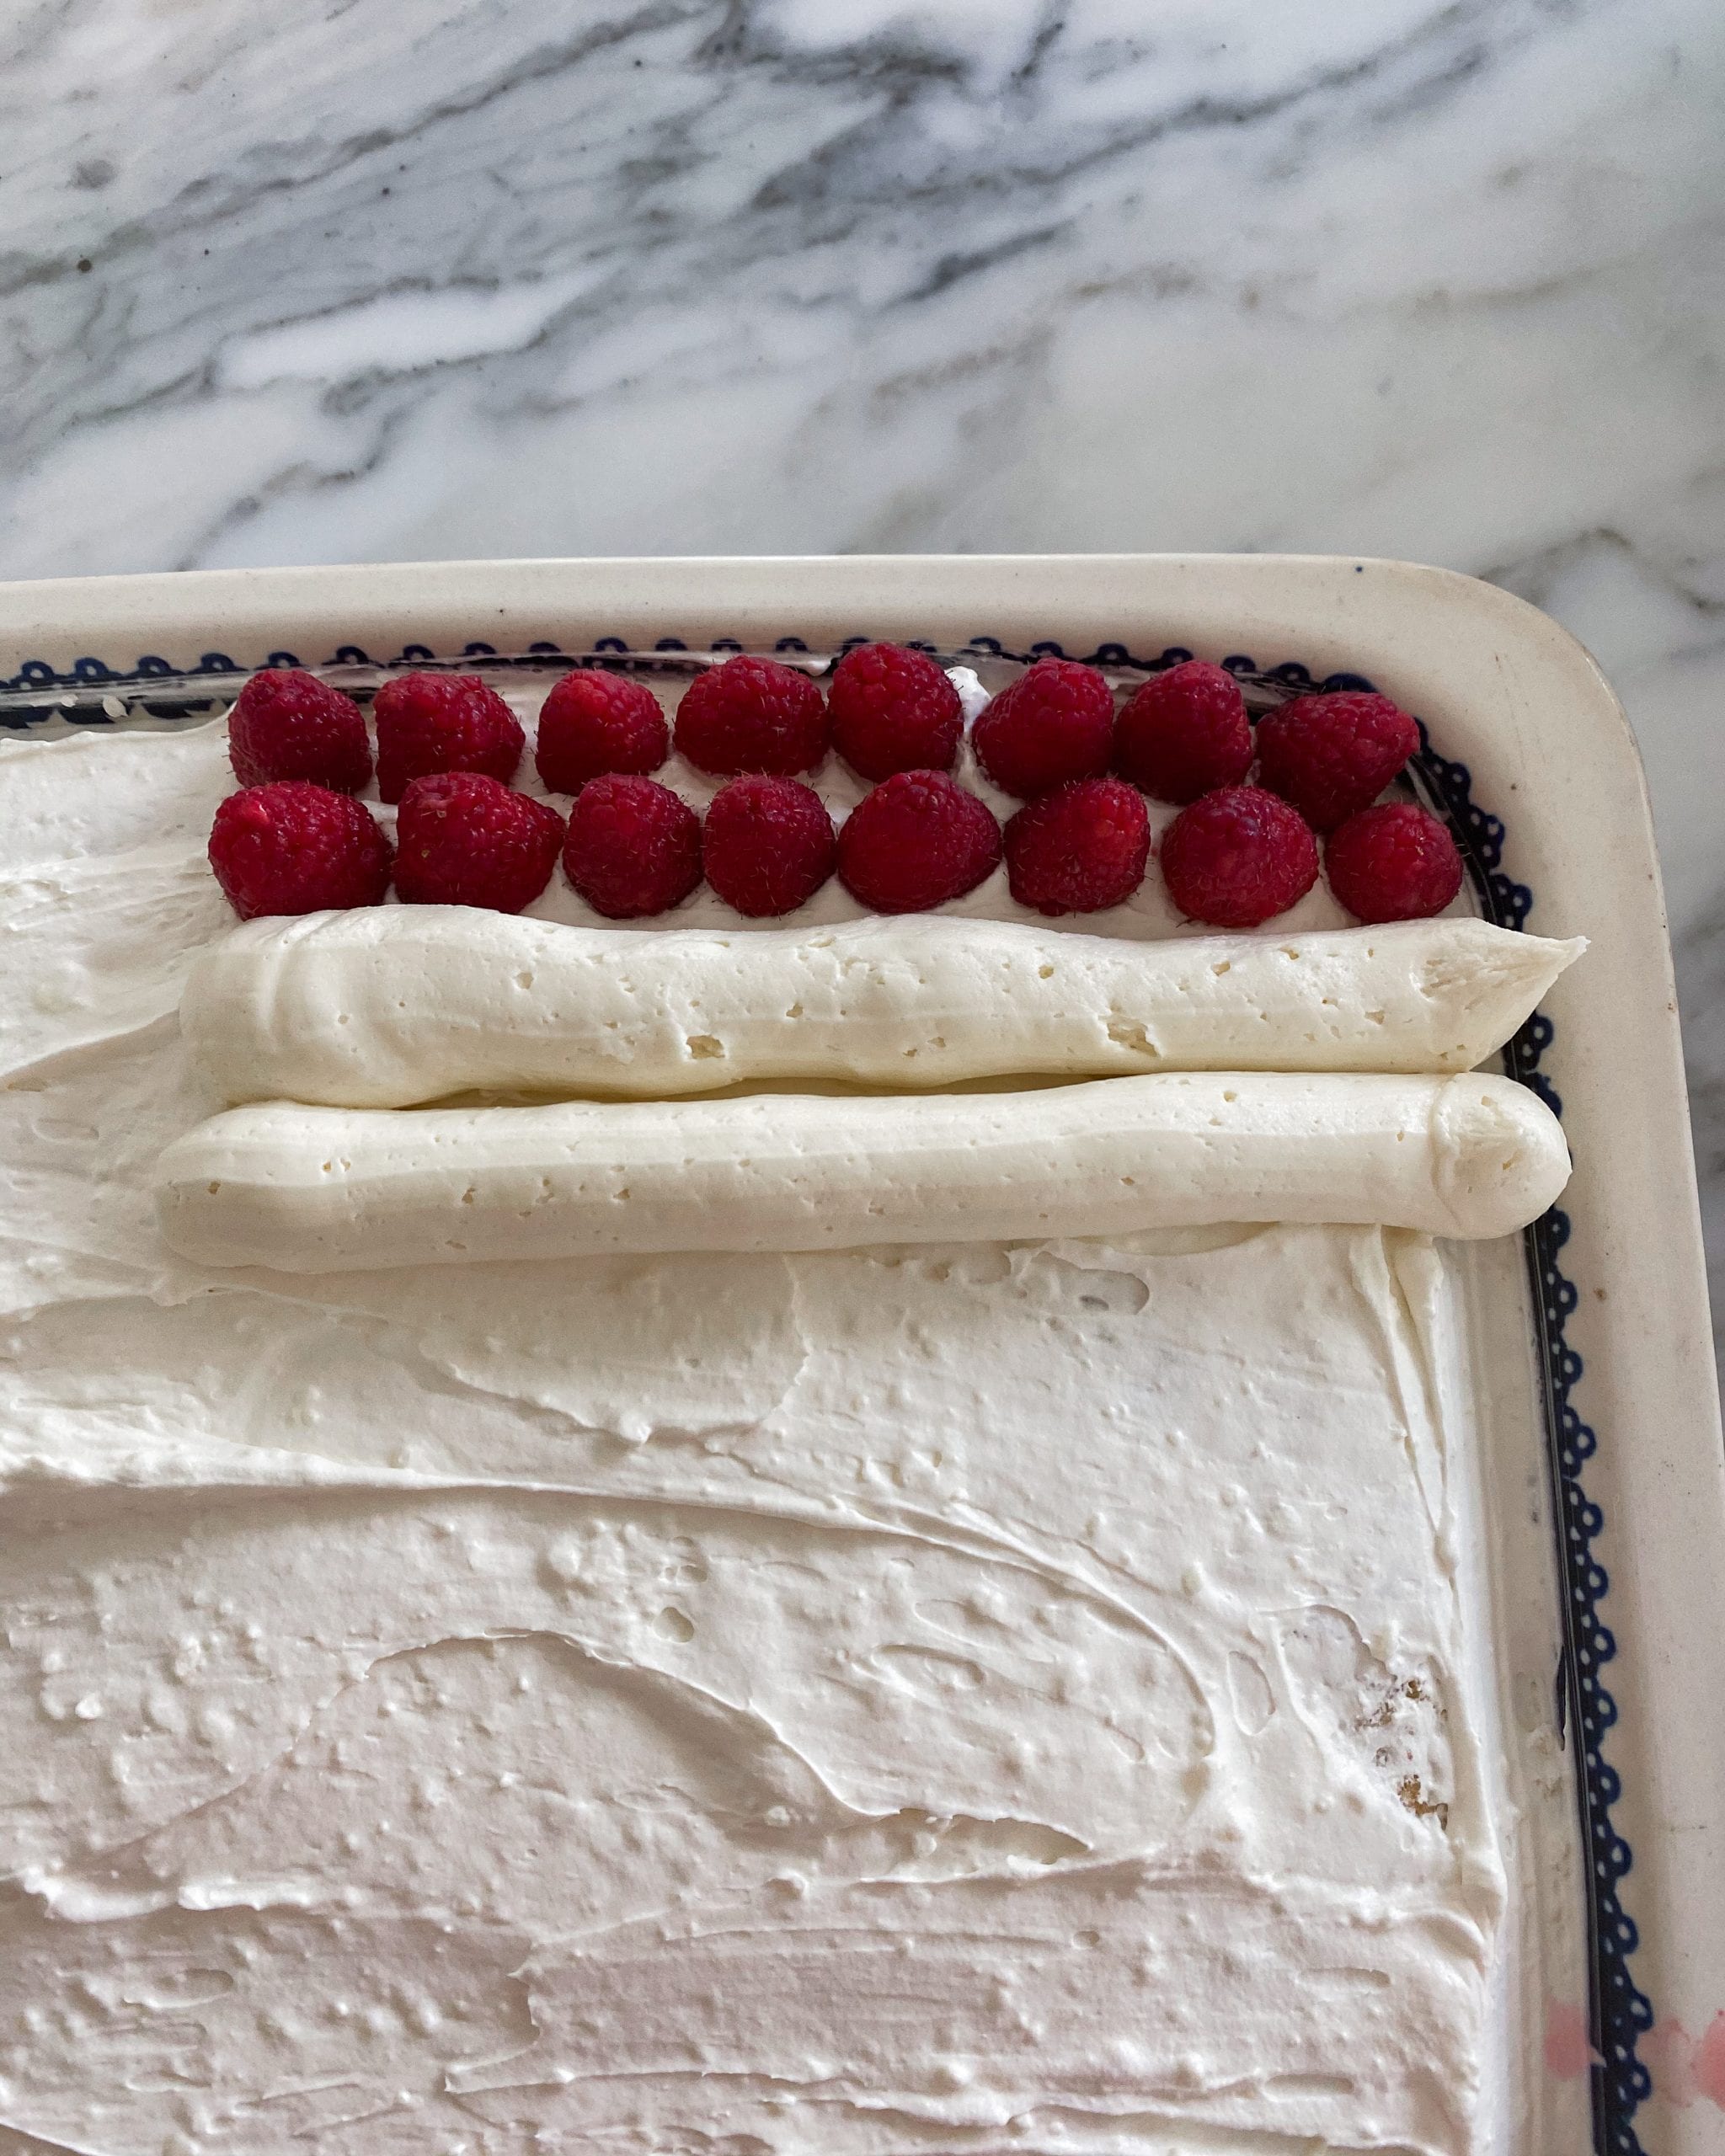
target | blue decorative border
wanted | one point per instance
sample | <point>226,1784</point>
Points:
<point>1620,2011</point>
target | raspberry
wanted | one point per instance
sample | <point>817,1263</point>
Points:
<point>1183,733</point>
<point>593,723</point>
<point>1238,855</point>
<point>893,710</point>
<point>293,847</point>
<point>752,715</point>
<point>1080,848</point>
<point>632,846</point>
<point>768,844</point>
<point>462,839</point>
<point>431,722</point>
<point>1393,862</point>
<point>915,842</point>
<point>288,724</point>
<point>1055,723</point>
<point>1330,755</point>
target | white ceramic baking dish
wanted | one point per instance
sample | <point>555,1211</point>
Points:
<point>1530,757</point>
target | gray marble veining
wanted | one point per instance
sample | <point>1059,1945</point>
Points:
<point>342,281</point>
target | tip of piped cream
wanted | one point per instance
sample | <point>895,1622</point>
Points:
<point>1499,1156</point>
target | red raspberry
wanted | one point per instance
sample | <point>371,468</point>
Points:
<point>593,723</point>
<point>1393,862</point>
<point>752,715</point>
<point>893,710</point>
<point>1055,723</point>
<point>287,724</point>
<point>1330,755</point>
<point>915,842</point>
<point>431,722</point>
<point>1183,733</point>
<point>768,844</point>
<point>632,846</point>
<point>461,839</point>
<point>293,847</point>
<point>1238,855</point>
<point>1080,848</point>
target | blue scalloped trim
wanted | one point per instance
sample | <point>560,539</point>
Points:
<point>1620,2011</point>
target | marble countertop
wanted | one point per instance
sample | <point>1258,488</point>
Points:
<point>343,281</point>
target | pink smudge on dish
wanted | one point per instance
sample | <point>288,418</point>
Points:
<point>1569,2052</point>
<point>1683,2067</point>
<point>1667,2052</point>
<point>1708,2064</point>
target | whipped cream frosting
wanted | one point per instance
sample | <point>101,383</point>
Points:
<point>391,1006</point>
<point>309,1189</point>
<point>953,1698</point>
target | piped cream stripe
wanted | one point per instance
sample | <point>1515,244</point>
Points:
<point>385,1008</point>
<point>312,1190</point>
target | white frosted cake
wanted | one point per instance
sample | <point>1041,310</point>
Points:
<point>959,1696</point>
